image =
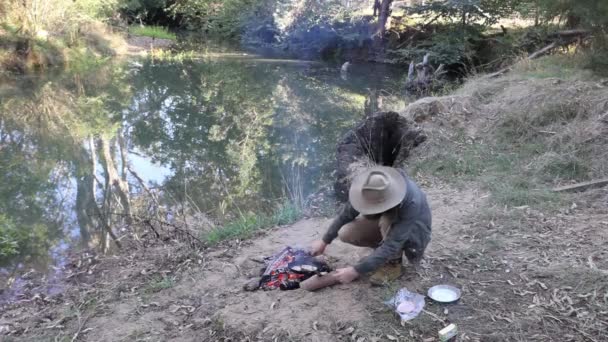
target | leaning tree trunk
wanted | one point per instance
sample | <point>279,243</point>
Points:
<point>385,138</point>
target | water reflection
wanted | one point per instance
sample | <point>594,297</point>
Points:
<point>223,136</point>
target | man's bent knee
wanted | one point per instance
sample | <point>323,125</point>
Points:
<point>361,232</point>
<point>346,233</point>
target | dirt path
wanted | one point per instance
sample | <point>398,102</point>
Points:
<point>511,271</point>
<point>214,293</point>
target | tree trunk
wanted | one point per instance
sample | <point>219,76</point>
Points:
<point>83,197</point>
<point>464,18</point>
<point>85,194</point>
<point>114,180</point>
<point>385,13</point>
<point>376,7</point>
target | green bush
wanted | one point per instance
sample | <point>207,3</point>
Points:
<point>220,18</point>
<point>9,239</point>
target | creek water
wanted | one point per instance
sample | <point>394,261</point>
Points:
<point>226,134</point>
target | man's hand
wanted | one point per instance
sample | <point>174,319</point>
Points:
<point>346,275</point>
<point>318,247</point>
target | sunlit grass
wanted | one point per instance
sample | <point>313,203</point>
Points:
<point>152,31</point>
<point>564,65</point>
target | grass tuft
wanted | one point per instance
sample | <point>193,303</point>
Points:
<point>564,66</point>
<point>152,31</point>
<point>159,284</point>
<point>248,224</point>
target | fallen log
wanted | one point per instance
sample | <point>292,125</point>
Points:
<point>582,186</point>
<point>570,33</point>
<point>385,138</point>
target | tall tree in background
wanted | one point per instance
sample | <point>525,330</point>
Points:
<point>382,9</point>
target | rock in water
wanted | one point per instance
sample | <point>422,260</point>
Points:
<point>345,67</point>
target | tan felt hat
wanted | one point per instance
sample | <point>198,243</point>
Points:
<point>377,190</point>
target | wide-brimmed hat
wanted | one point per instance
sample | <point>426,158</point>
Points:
<point>377,190</point>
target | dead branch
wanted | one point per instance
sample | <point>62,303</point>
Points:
<point>174,226</point>
<point>142,184</point>
<point>543,51</point>
<point>598,183</point>
<point>106,226</point>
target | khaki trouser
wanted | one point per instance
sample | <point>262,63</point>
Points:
<point>365,232</point>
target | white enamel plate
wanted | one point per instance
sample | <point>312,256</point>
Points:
<point>444,293</point>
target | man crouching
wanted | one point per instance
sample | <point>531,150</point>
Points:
<point>395,219</point>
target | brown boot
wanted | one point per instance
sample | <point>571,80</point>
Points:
<point>387,273</point>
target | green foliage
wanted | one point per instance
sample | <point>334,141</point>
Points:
<point>592,14</point>
<point>146,11</point>
<point>464,11</point>
<point>221,18</point>
<point>21,239</point>
<point>152,31</point>
<point>9,238</point>
<point>56,16</point>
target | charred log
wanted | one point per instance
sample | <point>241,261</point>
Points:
<point>422,78</point>
<point>373,102</point>
<point>385,138</point>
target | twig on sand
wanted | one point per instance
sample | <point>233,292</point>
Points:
<point>586,335</point>
<point>437,318</point>
<point>81,324</point>
<point>582,186</point>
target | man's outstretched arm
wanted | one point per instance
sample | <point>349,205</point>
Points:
<point>347,214</point>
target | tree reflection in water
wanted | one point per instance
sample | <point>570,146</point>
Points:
<point>230,137</point>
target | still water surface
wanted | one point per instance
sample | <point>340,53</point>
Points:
<point>225,134</point>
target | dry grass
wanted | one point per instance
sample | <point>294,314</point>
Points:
<point>534,260</point>
<point>547,131</point>
<point>37,34</point>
